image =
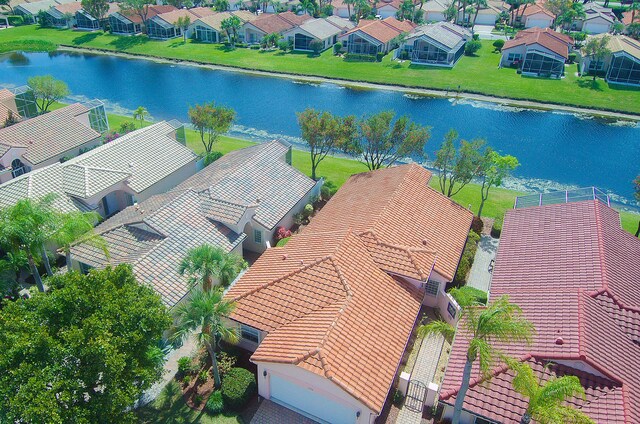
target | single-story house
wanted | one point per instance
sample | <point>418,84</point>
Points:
<point>371,37</point>
<point>388,8</point>
<point>574,273</point>
<point>268,23</point>
<point>283,6</point>
<point>439,44</point>
<point>324,30</point>
<point>29,11</point>
<point>235,203</point>
<point>434,10</point>
<point>598,19</point>
<point>108,178</point>
<point>329,315</point>
<point>488,15</point>
<point>534,15</point>
<point>130,23</point>
<point>165,25</point>
<point>539,52</point>
<point>45,139</point>
<point>622,65</point>
<point>208,29</point>
<point>85,21</point>
<point>342,9</point>
<point>17,103</point>
<point>63,15</point>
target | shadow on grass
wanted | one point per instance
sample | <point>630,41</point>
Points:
<point>125,43</point>
<point>177,43</point>
<point>426,66</point>
<point>590,84</point>
<point>176,413</point>
<point>85,38</point>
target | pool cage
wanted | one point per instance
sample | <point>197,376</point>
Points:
<point>97,116</point>
<point>542,64</point>
<point>25,101</point>
<point>624,69</point>
<point>566,196</point>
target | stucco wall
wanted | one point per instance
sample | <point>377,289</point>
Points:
<point>168,182</point>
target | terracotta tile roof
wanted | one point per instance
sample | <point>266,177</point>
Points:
<point>329,309</point>
<point>395,4</point>
<point>215,20</point>
<point>381,207</point>
<point>532,9</point>
<point>50,135</point>
<point>152,11</point>
<point>575,274</point>
<point>193,14</point>
<point>626,17</point>
<point>7,103</point>
<point>278,22</point>
<point>382,30</point>
<point>545,37</point>
<point>72,7</point>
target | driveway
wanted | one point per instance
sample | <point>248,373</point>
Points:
<point>484,32</point>
<point>271,413</point>
<point>480,275</point>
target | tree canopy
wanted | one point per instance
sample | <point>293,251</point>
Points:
<point>211,121</point>
<point>493,169</point>
<point>457,166</point>
<point>96,8</point>
<point>138,7</point>
<point>47,90</point>
<point>598,49</point>
<point>83,353</point>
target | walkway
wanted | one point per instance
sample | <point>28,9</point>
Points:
<point>424,371</point>
<point>271,413</point>
<point>480,276</point>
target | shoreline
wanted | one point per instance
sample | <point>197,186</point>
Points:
<point>426,92</point>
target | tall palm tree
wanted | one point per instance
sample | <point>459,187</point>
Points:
<point>206,311</point>
<point>203,264</point>
<point>501,321</point>
<point>546,400</point>
<point>78,227</point>
<point>141,113</point>
<point>349,3</point>
<point>477,5</point>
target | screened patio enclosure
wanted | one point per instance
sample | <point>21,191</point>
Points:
<point>206,34</point>
<point>624,69</point>
<point>122,25</point>
<point>542,64</point>
<point>86,21</point>
<point>157,28</point>
<point>425,52</point>
<point>357,44</point>
<point>302,42</point>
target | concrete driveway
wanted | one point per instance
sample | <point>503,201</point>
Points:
<point>484,32</point>
<point>480,275</point>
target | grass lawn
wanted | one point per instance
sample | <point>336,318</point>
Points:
<point>478,74</point>
<point>180,413</point>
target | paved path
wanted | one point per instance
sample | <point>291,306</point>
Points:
<point>480,277</point>
<point>271,413</point>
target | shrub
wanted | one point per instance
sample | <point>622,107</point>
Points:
<point>580,36</point>
<point>328,190</point>
<point>498,44</point>
<point>308,210</point>
<point>337,48</point>
<point>110,136</point>
<point>185,366</point>
<point>197,399</point>
<point>127,127</point>
<point>496,228</point>
<point>225,363</point>
<point>352,57</point>
<point>468,255</point>
<point>215,404</point>
<point>477,225</point>
<point>379,56</point>
<point>479,295</point>
<point>298,219</point>
<point>283,45</point>
<point>15,20</point>
<point>404,55</point>
<point>316,46</point>
<point>238,386</point>
<point>398,398</point>
<point>283,242</point>
<point>282,233</point>
<point>186,380</point>
<point>169,394</point>
<point>572,57</point>
<point>472,47</point>
<point>252,47</point>
<point>203,377</point>
<point>211,157</point>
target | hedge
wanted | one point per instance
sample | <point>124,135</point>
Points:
<point>496,228</point>
<point>238,386</point>
<point>468,255</point>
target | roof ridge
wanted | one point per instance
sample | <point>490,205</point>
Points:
<point>600,241</point>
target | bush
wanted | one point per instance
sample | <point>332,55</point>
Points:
<point>472,47</point>
<point>468,255</point>
<point>15,20</point>
<point>252,47</point>
<point>337,48</point>
<point>316,46</point>
<point>404,55</point>
<point>238,386</point>
<point>379,56</point>
<point>328,190</point>
<point>496,228</point>
<point>478,295</point>
<point>185,366</point>
<point>186,380</point>
<point>477,225</point>
<point>110,136</point>
<point>352,57</point>
<point>308,210</point>
<point>572,57</point>
<point>282,233</point>
<point>283,242</point>
<point>197,399</point>
<point>398,398</point>
<point>498,44</point>
<point>283,45</point>
<point>169,394</point>
<point>203,377</point>
<point>127,127</point>
<point>211,157</point>
<point>215,404</point>
<point>225,363</point>
<point>298,218</point>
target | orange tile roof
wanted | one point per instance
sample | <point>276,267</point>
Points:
<point>382,30</point>
<point>329,309</point>
<point>548,38</point>
<point>152,10</point>
<point>532,9</point>
<point>72,7</point>
<point>406,224</point>
<point>278,22</point>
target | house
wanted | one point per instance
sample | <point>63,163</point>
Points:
<point>85,21</point>
<point>439,44</point>
<point>534,15</point>
<point>487,15</point>
<point>575,274</point>
<point>45,139</point>
<point>598,19</point>
<point>388,8</point>
<point>29,11</point>
<point>371,37</point>
<point>434,10</point>
<point>235,203</point>
<point>621,66</point>
<point>130,23</point>
<point>208,29</point>
<point>18,103</point>
<point>8,107</point>
<point>538,52</point>
<point>341,9</point>
<point>323,30</point>
<point>165,25</point>
<point>63,15</point>
<point>267,24</point>
<point>329,315</point>
<point>111,176</point>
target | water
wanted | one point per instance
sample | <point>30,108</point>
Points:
<point>556,150</point>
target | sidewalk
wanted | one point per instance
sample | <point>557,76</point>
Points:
<point>480,276</point>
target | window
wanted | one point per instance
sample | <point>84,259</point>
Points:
<point>596,65</point>
<point>257,236</point>
<point>249,334</point>
<point>431,287</point>
<point>84,268</point>
<point>302,42</point>
<point>452,310</point>
<point>511,57</point>
<point>624,70</point>
<point>542,64</point>
<point>17,168</point>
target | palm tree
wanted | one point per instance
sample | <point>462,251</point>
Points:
<point>635,6</point>
<point>349,3</point>
<point>205,263</point>
<point>141,114</point>
<point>231,26</point>
<point>78,227</point>
<point>206,311</point>
<point>546,400</point>
<point>307,6</point>
<point>500,321</point>
<point>183,23</point>
<point>477,4</point>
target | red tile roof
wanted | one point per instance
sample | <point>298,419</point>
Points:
<point>532,9</point>
<point>278,22</point>
<point>152,10</point>
<point>576,275</point>
<point>382,30</point>
<point>546,37</point>
<point>71,7</point>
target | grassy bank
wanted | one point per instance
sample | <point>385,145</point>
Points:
<point>478,74</point>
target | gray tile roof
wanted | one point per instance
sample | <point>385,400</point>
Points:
<point>257,174</point>
<point>320,28</point>
<point>444,33</point>
<point>34,7</point>
<point>50,135</point>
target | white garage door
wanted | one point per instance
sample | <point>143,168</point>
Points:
<point>595,28</point>
<point>290,394</point>
<point>540,23</point>
<point>488,19</point>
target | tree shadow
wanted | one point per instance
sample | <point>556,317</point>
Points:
<point>125,43</point>
<point>85,38</point>
<point>178,42</point>
<point>589,84</point>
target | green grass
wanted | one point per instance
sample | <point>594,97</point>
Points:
<point>478,74</point>
<point>180,413</point>
<point>27,46</point>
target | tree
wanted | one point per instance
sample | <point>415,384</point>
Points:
<point>231,26</point>
<point>500,321</point>
<point>597,48</point>
<point>92,360</point>
<point>634,29</point>
<point>381,142</point>
<point>206,310</point>
<point>349,3</point>
<point>205,263</point>
<point>221,5</point>
<point>477,6</point>
<point>498,44</point>
<point>406,10</point>
<point>271,40</point>
<point>137,7</point>
<point>546,401</point>
<point>471,47</point>
<point>308,6</point>
<point>450,12</point>
<point>494,168</point>
<point>574,12</point>
<point>140,114</point>
<point>77,227</point>
<point>636,184</point>
<point>514,5</point>
<point>635,6</point>
<point>324,133</point>
<point>10,119</point>
<point>7,4</point>
<point>457,167</point>
<point>96,8</point>
<point>558,7</point>
<point>47,90</point>
<point>211,121</point>
<point>183,23</point>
